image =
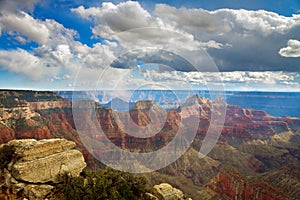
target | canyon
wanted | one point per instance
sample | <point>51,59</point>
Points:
<point>256,156</point>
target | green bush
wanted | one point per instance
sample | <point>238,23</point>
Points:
<point>104,184</point>
<point>6,154</point>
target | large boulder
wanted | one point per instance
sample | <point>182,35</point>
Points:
<point>36,166</point>
<point>167,192</point>
<point>45,160</point>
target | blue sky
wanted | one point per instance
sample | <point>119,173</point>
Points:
<point>66,45</point>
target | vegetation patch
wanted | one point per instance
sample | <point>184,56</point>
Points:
<point>105,184</point>
<point>6,155</point>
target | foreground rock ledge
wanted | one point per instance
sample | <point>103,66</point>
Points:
<point>45,160</point>
<point>166,192</point>
<point>37,165</point>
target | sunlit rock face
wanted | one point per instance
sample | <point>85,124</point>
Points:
<point>36,166</point>
<point>232,185</point>
<point>167,192</point>
<point>45,160</point>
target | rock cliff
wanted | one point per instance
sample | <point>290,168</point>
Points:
<point>232,185</point>
<point>252,142</point>
<point>36,166</point>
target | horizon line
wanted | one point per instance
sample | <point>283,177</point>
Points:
<point>110,90</point>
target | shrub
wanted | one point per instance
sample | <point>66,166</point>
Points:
<point>104,184</point>
<point>6,154</point>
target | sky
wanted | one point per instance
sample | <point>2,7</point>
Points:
<point>169,44</point>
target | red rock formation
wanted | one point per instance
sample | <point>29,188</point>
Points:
<point>36,133</point>
<point>251,124</point>
<point>6,134</point>
<point>230,185</point>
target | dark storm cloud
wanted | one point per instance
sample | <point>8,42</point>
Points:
<point>167,61</point>
<point>255,52</point>
<point>251,39</point>
<point>17,5</point>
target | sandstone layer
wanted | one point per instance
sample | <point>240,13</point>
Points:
<point>36,166</point>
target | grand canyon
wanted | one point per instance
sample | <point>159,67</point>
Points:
<point>256,157</point>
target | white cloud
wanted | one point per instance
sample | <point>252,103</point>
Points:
<point>230,80</point>
<point>262,21</point>
<point>61,78</point>
<point>237,40</point>
<point>99,56</point>
<point>21,61</point>
<point>48,32</point>
<point>50,58</point>
<point>188,19</point>
<point>292,50</point>
<point>111,19</point>
<point>135,78</point>
<point>247,39</point>
<point>25,24</point>
<point>212,44</point>
<point>59,34</point>
<point>134,27</point>
<point>223,21</point>
<point>267,79</point>
<point>57,53</point>
<point>62,54</point>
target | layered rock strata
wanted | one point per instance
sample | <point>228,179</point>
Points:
<point>36,166</point>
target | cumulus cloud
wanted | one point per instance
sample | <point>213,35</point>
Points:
<point>47,32</point>
<point>13,10</point>
<point>111,19</point>
<point>292,50</point>
<point>236,39</point>
<point>163,60</point>
<point>59,34</point>
<point>247,40</point>
<point>261,21</point>
<point>20,22</point>
<point>99,56</point>
<point>247,46</point>
<point>20,61</point>
<point>48,63</point>
<point>189,19</point>
<point>134,27</point>
<point>58,55</point>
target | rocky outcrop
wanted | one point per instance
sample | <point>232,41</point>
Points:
<point>294,123</point>
<point>50,104</point>
<point>36,166</point>
<point>252,124</point>
<point>17,113</point>
<point>167,192</point>
<point>26,120</point>
<point>229,184</point>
